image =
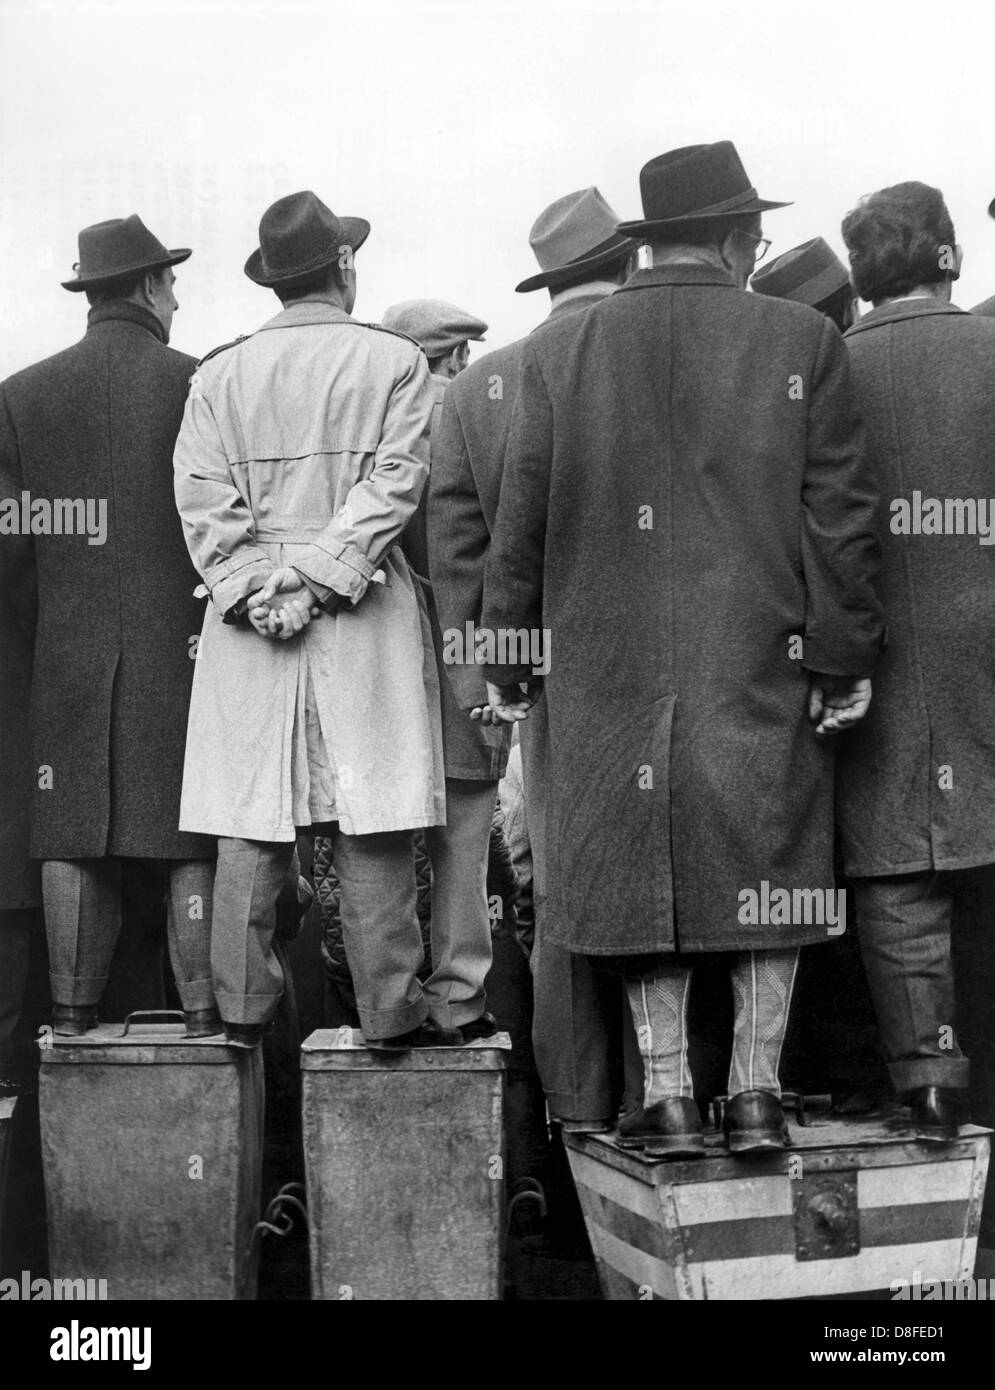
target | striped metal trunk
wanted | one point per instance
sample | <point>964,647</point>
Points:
<point>853,1206</point>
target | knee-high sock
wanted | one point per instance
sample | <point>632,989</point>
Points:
<point>762,982</point>
<point>659,1004</point>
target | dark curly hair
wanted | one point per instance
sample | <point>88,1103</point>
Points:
<point>898,238</point>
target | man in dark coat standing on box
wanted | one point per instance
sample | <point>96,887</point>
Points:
<point>582,259</point>
<point>917,786</point>
<point>687,514</point>
<point>86,483</point>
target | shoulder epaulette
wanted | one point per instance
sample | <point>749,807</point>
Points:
<point>396,332</point>
<point>224,348</point>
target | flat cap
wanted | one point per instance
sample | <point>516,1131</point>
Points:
<point>808,274</point>
<point>437,326</point>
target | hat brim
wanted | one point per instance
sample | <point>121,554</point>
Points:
<point>686,220</point>
<point>622,246</point>
<point>355,230</point>
<point>89,282</point>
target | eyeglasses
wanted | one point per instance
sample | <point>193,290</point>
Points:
<point>763,244</point>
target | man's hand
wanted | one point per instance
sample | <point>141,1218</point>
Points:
<point>836,703</point>
<point>508,703</point>
<point>291,615</point>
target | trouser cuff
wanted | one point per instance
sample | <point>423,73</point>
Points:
<point>77,991</point>
<point>196,994</point>
<point>248,1008</point>
<point>455,1014</point>
<point>388,1023</point>
<point>952,1073</point>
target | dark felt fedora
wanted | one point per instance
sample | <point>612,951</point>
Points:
<point>698,183</point>
<point>991,208</point>
<point>121,247</point>
<point>572,237</point>
<point>298,236</point>
<point>808,274</point>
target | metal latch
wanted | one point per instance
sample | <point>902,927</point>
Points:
<point>826,1216</point>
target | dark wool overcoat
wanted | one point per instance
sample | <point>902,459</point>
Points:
<point>917,777</point>
<point>117,621</point>
<point>19,875</point>
<point>685,494</point>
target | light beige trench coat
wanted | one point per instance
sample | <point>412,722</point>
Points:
<point>307,444</point>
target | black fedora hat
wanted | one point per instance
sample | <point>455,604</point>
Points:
<point>120,247</point>
<point>991,208</point>
<point>697,183</point>
<point>298,236</point>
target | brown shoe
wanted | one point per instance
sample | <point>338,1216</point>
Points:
<point>202,1023</point>
<point>669,1128</point>
<point>73,1020</point>
<point>754,1122</point>
<point>936,1114</point>
<point>427,1034</point>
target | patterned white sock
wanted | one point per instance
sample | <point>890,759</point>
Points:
<point>762,982</point>
<point>659,1005</point>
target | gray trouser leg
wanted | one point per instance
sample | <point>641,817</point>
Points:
<point>16,926</point>
<point>82,899</point>
<point>380,929</point>
<point>189,913</point>
<point>904,926</point>
<point>248,979</point>
<point>461,928</point>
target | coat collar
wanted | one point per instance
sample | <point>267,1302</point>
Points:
<point>574,305</point>
<point>123,311</point>
<point>678,274</point>
<point>308,311</point>
<point>901,309</point>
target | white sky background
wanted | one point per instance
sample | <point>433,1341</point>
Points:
<point>450,126</point>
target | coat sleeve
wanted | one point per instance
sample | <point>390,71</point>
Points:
<point>458,539</point>
<point>217,521</point>
<point>513,575</point>
<point>844,623</point>
<point>345,555</point>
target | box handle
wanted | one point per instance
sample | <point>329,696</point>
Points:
<point>151,1013</point>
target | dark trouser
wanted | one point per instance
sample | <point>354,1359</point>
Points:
<point>82,899</point>
<point>15,945</point>
<point>582,1029</point>
<point>905,924</point>
<point>379,926</point>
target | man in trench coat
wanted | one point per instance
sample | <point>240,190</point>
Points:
<point>302,455</point>
<point>579,1019</point>
<point>86,441</point>
<point>687,512</point>
<point>917,783</point>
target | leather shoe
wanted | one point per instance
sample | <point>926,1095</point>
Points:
<point>427,1034</point>
<point>483,1027</point>
<point>754,1121</point>
<point>202,1023</point>
<point>936,1114</point>
<point>246,1035</point>
<point>669,1128</point>
<point>73,1020</point>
